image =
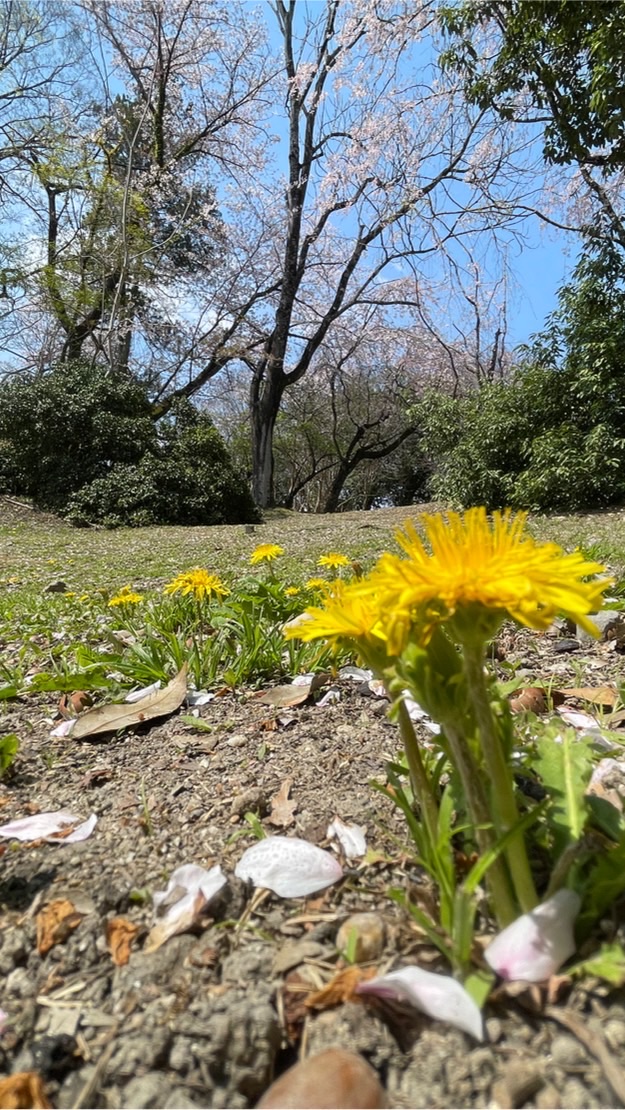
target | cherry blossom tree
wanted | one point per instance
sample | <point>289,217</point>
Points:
<point>383,164</point>
<point>245,188</point>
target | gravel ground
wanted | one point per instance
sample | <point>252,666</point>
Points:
<point>210,1018</point>
<point>214,1015</point>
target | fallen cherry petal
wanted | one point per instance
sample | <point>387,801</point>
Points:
<point>186,881</point>
<point>179,907</point>
<point>438,996</point>
<point>378,688</point>
<point>577,719</point>
<point>199,697</point>
<point>538,943</point>
<point>81,832</point>
<point>65,728</point>
<point>39,825</point>
<point>350,837</point>
<point>356,674</point>
<point>331,698</point>
<point>416,713</point>
<point>604,768</point>
<point>144,692</point>
<point>290,867</point>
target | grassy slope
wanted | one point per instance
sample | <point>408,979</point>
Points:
<point>37,549</point>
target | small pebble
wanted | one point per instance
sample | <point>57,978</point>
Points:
<point>614,1031</point>
<point>370,932</point>
<point>333,1079</point>
<point>548,1099</point>
<point>494,1029</point>
<point>567,1052</point>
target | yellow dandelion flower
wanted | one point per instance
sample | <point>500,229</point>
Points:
<point>317,584</point>
<point>478,572</point>
<point>126,596</point>
<point>199,582</point>
<point>266,553</point>
<point>347,614</point>
<point>333,559</point>
<point>291,591</point>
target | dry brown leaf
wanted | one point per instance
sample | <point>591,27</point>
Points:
<point>282,697</point>
<point>531,699</point>
<point>55,922</point>
<point>293,1010</point>
<point>95,777</point>
<point>23,1091</point>
<point>120,934</point>
<point>71,705</point>
<point>110,718</point>
<point>282,810</point>
<point>606,696</point>
<point>340,988</point>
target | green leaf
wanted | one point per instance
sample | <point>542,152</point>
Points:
<point>479,985</point>
<point>197,723</point>
<point>604,884</point>
<point>565,765</point>
<point>7,692</point>
<point>608,963</point>
<point>9,746</point>
<point>606,816</point>
<point>43,682</point>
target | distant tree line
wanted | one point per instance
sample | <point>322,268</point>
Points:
<point>297,220</point>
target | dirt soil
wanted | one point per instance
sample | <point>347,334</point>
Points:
<point>210,1018</point>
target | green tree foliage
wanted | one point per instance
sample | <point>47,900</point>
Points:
<point>83,443</point>
<point>68,426</point>
<point>556,62</point>
<point>553,435</point>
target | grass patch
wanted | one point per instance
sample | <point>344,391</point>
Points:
<point>50,637</point>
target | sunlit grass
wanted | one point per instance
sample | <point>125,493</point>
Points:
<point>43,630</point>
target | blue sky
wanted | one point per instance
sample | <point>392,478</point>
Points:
<point>539,270</point>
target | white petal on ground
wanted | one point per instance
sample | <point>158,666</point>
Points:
<point>64,729</point>
<point>186,881</point>
<point>438,996</point>
<point>303,679</point>
<point>605,768</point>
<point>416,713</point>
<point>350,837</point>
<point>189,891</point>
<point>199,697</point>
<point>144,692</point>
<point>290,867</point>
<point>356,674</point>
<point>378,688</point>
<point>40,825</point>
<point>577,719</point>
<point>538,943</point>
<point>331,698</point>
<point>81,832</point>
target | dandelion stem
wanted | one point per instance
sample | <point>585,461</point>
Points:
<point>504,806</point>
<point>497,878</point>
<point>418,775</point>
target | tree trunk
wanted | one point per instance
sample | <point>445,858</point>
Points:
<point>264,416</point>
<point>331,502</point>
